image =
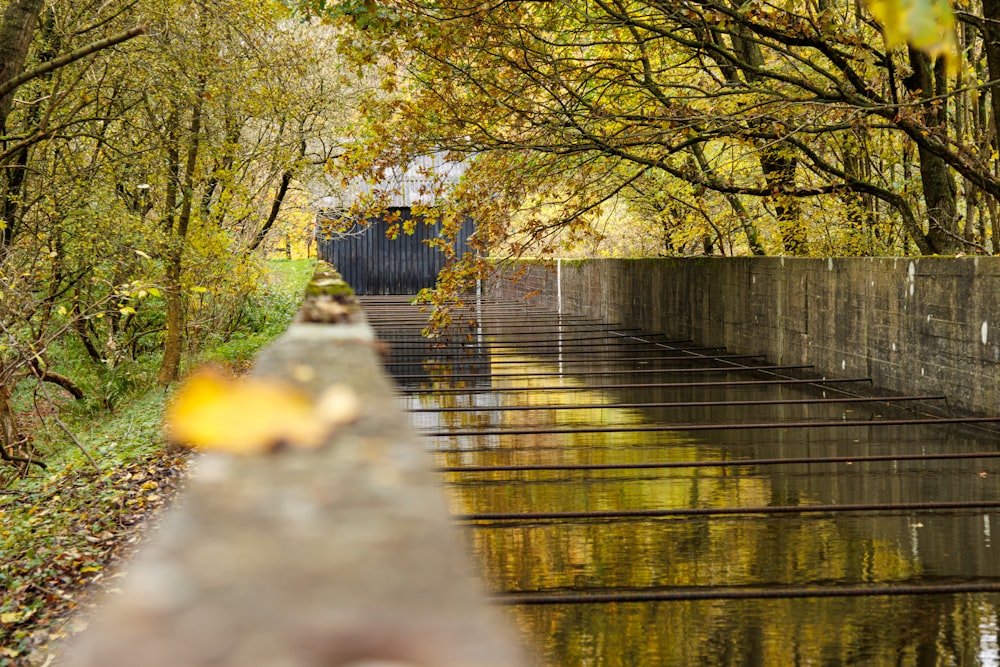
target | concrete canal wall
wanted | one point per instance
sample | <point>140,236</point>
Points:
<point>344,555</point>
<point>918,326</point>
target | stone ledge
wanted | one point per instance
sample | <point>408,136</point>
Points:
<point>344,555</point>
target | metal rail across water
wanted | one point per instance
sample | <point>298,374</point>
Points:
<point>433,355</point>
<point>692,356</point>
<point>642,385</point>
<point>687,404</point>
<point>731,463</point>
<point>640,371</point>
<point>691,427</point>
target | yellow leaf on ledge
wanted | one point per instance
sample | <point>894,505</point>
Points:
<point>214,411</point>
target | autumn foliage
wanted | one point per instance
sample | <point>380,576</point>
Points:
<point>149,153</point>
<point>815,127</point>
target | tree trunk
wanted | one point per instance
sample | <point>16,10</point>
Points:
<point>749,228</point>
<point>279,199</point>
<point>12,196</point>
<point>936,178</point>
<point>942,211</point>
<point>778,164</point>
<point>994,209</point>
<point>176,323</point>
<point>778,167</point>
<point>991,43</point>
<point>19,23</point>
<point>173,346</point>
<point>14,447</point>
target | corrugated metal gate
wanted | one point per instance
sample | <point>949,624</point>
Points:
<point>374,264</point>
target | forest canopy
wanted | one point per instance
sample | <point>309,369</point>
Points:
<point>811,127</point>
<point>149,149</point>
<point>149,152</point>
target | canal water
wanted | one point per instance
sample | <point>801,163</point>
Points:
<point>634,500</point>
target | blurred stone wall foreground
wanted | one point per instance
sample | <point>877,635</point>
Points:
<point>342,555</point>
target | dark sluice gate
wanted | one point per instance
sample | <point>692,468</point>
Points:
<point>374,264</point>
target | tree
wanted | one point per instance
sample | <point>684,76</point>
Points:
<point>38,46</point>
<point>225,113</point>
<point>137,176</point>
<point>788,114</point>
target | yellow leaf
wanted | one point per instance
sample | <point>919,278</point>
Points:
<point>929,25</point>
<point>199,289</point>
<point>216,412</point>
<point>14,617</point>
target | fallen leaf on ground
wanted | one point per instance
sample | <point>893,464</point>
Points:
<point>12,617</point>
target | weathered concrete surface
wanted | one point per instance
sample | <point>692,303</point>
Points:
<point>928,325</point>
<point>340,556</point>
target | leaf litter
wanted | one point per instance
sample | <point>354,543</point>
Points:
<point>67,538</point>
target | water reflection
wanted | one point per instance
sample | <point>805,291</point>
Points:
<point>720,552</point>
<point>870,631</point>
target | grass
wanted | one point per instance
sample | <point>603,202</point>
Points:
<point>266,314</point>
<point>63,529</point>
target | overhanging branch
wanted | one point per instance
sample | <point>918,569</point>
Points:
<point>8,87</point>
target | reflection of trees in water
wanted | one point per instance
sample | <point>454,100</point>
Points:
<point>706,552</point>
<point>931,630</point>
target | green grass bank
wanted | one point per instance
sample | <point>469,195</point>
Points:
<point>63,529</point>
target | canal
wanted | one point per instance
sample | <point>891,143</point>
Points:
<point>635,500</point>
